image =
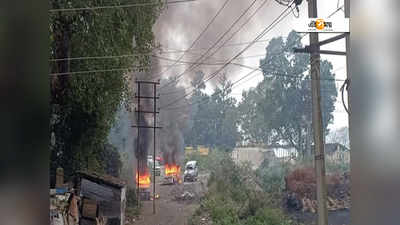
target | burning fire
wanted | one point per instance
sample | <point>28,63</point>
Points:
<point>143,180</point>
<point>172,170</point>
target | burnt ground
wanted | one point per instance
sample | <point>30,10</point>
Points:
<point>175,206</point>
<point>338,217</point>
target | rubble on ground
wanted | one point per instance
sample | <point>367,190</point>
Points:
<point>301,191</point>
<point>188,192</point>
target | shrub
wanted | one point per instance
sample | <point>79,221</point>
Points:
<point>337,166</point>
<point>272,176</point>
<point>268,216</point>
<point>131,200</point>
<point>234,195</point>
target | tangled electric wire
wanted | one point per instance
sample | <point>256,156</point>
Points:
<point>294,7</point>
<point>346,85</point>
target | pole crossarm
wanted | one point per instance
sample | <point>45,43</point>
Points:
<point>314,48</point>
<point>147,82</point>
<point>146,127</point>
<point>310,49</point>
<point>143,111</point>
<point>332,39</point>
<point>148,97</point>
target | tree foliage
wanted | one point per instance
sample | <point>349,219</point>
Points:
<point>83,105</point>
<point>279,108</point>
<point>214,117</point>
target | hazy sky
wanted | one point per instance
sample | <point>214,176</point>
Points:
<point>179,25</point>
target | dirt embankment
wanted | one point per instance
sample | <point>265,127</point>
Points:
<point>300,198</point>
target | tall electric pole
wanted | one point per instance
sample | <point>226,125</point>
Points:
<point>317,120</point>
<point>154,127</point>
<point>347,15</point>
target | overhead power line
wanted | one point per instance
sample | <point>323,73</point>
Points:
<point>238,83</point>
<point>181,63</point>
<point>217,61</point>
<point>337,10</point>
<point>199,36</point>
<point>215,73</point>
<point>91,71</point>
<point>117,6</point>
<point>255,69</point>
<point>263,33</point>
<point>169,51</point>
<point>200,59</point>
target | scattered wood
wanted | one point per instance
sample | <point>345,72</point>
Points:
<point>301,188</point>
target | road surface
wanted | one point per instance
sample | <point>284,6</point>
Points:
<point>171,209</point>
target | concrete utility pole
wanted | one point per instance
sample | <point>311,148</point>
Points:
<point>154,127</point>
<point>347,15</point>
<point>317,121</point>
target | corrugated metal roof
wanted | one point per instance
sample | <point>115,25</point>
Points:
<point>102,178</point>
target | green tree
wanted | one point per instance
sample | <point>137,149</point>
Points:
<point>226,118</point>
<point>83,105</point>
<point>283,99</point>
<point>214,118</point>
<point>199,131</point>
<point>253,130</point>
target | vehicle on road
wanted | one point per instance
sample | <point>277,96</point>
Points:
<point>191,171</point>
<point>150,164</point>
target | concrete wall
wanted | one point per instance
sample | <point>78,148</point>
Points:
<point>254,155</point>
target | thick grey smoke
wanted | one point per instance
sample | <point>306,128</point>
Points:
<point>178,26</point>
<point>176,29</point>
<point>174,120</point>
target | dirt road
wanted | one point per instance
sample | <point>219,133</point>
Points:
<point>176,204</point>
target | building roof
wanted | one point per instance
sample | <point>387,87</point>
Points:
<point>102,179</point>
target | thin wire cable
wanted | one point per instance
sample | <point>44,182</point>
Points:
<point>253,68</point>
<point>337,10</point>
<point>117,6</point>
<point>233,34</point>
<point>209,49</point>
<point>265,31</point>
<point>169,51</point>
<point>216,60</point>
<point>199,36</point>
<point>237,84</point>
<point>91,71</point>
<point>183,63</point>
<point>345,85</point>
<point>215,73</point>
<point>284,2</point>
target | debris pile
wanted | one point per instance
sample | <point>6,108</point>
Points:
<point>188,192</point>
<point>301,190</point>
<point>63,208</point>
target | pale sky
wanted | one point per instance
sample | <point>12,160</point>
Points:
<point>176,34</point>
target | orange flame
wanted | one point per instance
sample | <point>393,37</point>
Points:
<point>172,170</point>
<point>143,180</point>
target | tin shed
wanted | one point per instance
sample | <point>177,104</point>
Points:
<point>102,197</point>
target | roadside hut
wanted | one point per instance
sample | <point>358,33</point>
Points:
<point>102,197</point>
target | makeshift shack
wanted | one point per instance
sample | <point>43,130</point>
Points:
<point>102,197</point>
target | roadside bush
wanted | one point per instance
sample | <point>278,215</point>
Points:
<point>337,166</point>
<point>131,200</point>
<point>272,176</point>
<point>132,209</point>
<point>236,196</point>
<point>268,216</point>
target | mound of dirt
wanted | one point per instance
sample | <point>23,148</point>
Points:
<point>188,191</point>
<point>301,190</point>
